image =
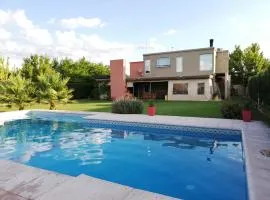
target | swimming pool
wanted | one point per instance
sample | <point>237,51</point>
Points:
<point>183,162</point>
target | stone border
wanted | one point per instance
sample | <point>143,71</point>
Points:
<point>255,137</point>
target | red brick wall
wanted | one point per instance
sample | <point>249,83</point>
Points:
<point>118,78</point>
<point>136,69</point>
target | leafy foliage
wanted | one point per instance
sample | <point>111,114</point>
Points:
<point>83,76</point>
<point>246,63</point>
<point>127,106</point>
<point>4,69</point>
<point>36,65</point>
<point>151,103</point>
<point>53,88</point>
<point>247,105</point>
<point>17,90</point>
<point>259,87</point>
<point>231,110</point>
<point>236,67</point>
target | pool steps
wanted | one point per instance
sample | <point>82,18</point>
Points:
<point>21,182</point>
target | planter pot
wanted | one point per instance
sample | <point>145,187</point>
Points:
<point>151,110</point>
<point>246,115</point>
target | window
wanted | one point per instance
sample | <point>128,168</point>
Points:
<point>163,62</point>
<point>180,88</point>
<point>206,62</point>
<point>147,66</point>
<point>200,90</point>
<point>179,64</point>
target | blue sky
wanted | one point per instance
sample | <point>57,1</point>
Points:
<point>102,30</point>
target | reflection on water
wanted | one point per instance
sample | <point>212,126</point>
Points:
<point>21,140</point>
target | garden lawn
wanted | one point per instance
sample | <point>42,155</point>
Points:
<point>177,108</point>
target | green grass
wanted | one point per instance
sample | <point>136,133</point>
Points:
<point>178,108</point>
<point>189,108</point>
<point>76,105</point>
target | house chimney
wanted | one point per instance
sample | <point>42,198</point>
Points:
<point>211,42</point>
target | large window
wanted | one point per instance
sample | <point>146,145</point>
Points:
<point>163,62</point>
<point>200,90</point>
<point>206,62</point>
<point>147,66</point>
<point>180,88</point>
<point>179,64</point>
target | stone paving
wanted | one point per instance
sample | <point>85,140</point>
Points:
<point>18,182</point>
<point>255,137</point>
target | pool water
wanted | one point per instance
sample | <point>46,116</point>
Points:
<point>168,161</point>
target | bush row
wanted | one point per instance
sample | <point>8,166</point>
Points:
<point>127,106</point>
<point>259,87</point>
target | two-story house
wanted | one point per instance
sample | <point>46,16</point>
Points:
<point>193,74</point>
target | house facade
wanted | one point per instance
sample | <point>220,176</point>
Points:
<point>193,74</point>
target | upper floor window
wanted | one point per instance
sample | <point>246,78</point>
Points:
<point>163,62</point>
<point>147,66</point>
<point>206,62</point>
<point>179,64</point>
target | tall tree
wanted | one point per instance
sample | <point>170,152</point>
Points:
<point>247,63</point>
<point>254,61</point>
<point>236,66</point>
<point>52,88</point>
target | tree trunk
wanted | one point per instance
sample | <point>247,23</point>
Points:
<point>21,107</point>
<point>52,105</point>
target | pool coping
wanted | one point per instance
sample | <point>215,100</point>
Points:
<point>255,137</point>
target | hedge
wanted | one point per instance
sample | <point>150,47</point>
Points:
<point>259,87</point>
<point>127,106</point>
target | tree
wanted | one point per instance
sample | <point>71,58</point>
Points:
<point>17,90</point>
<point>236,68</point>
<point>53,88</point>
<point>36,65</point>
<point>247,63</point>
<point>82,75</point>
<point>253,60</point>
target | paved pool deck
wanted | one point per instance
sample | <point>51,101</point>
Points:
<point>21,182</point>
<point>255,137</point>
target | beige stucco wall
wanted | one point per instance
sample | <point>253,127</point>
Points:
<point>222,61</point>
<point>192,90</point>
<point>191,63</point>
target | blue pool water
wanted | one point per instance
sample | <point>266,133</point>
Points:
<point>184,163</point>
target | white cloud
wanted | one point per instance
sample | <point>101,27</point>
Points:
<point>170,32</point>
<point>28,30</point>
<point>51,21</point>
<point>39,36</point>
<point>4,17</point>
<point>4,35</point>
<point>73,23</point>
<point>21,20</point>
<point>29,38</point>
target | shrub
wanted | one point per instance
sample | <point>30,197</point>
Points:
<point>247,105</point>
<point>259,87</point>
<point>151,103</point>
<point>127,106</point>
<point>231,111</point>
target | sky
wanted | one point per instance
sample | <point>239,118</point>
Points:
<point>101,30</point>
